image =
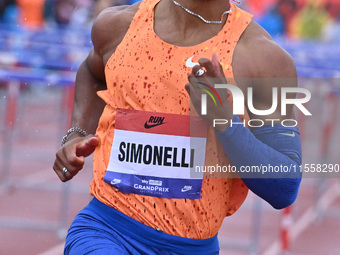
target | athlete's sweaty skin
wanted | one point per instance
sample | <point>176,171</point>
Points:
<point>255,56</point>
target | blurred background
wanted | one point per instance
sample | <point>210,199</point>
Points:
<point>43,42</point>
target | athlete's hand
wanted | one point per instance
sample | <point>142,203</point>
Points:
<point>72,156</point>
<point>204,84</point>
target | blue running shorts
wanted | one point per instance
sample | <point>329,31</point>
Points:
<point>99,230</point>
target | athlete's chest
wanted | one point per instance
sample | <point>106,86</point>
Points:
<point>146,72</point>
<point>173,35</point>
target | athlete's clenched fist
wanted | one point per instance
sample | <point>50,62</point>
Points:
<point>201,82</point>
<point>70,158</point>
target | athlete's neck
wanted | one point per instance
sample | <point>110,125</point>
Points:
<point>212,9</point>
<point>209,9</point>
<point>176,26</point>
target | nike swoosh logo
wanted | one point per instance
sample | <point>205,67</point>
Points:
<point>147,126</point>
<point>191,64</point>
<point>185,189</point>
<point>291,135</point>
<point>114,182</point>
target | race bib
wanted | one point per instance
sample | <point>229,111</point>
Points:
<point>155,154</point>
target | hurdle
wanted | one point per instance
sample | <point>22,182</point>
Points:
<point>28,59</point>
<point>290,228</point>
<point>13,89</point>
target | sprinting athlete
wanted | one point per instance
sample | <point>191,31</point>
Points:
<point>132,109</point>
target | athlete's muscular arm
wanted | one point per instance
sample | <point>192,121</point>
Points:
<point>257,56</point>
<point>107,32</point>
<point>266,146</point>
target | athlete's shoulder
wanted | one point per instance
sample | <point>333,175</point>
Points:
<point>263,56</point>
<point>111,25</point>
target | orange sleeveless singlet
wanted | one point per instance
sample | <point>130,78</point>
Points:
<point>146,73</point>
